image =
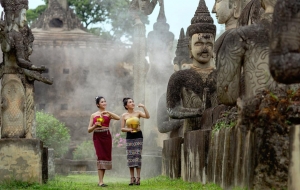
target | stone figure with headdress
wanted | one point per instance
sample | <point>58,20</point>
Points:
<point>191,91</point>
<point>17,72</point>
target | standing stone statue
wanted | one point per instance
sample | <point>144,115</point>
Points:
<point>228,11</point>
<point>139,46</point>
<point>191,91</point>
<point>160,44</point>
<point>246,49</point>
<point>17,72</point>
<point>285,42</point>
<point>146,6</point>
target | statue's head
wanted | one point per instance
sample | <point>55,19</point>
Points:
<point>15,11</point>
<point>201,47</point>
<point>143,4</point>
<point>20,18</point>
<point>226,9</point>
<point>268,5</point>
<point>202,32</point>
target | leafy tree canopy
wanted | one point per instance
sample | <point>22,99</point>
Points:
<point>33,14</point>
<point>113,14</point>
<point>91,11</point>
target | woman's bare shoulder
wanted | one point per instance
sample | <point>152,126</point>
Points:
<point>95,114</point>
<point>124,114</point>
<point>138,112</point>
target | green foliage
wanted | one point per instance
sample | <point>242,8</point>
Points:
<point>33,14</point>
<point>115,13</point>
<point>89,182</point>
<point>288,122</point>
<point>274,96</point>
<point>16,184</point>
<point>91,11</point>
<point>53,133</point>
<point>84,151</point>
<point>222,125</point>
<point>121,20</point>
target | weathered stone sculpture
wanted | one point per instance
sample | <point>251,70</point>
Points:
<point>245,49</point>
<point>17,73</point>
<point>284,67</point>
<point>160,44</point>
<point>228,11</point>
<point>182,60</point>
<point>139,46</point>
<point>191,91</point>
<point>285,42</point>
<point>146,6</point>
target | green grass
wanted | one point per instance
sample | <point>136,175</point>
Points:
<point>89,182</point>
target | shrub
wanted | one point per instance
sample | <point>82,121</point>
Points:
<point>119,140</point>
<point>53,133</point>
<point>85,151</point>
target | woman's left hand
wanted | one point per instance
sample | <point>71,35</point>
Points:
<point>141,105</point>
<point>105,112</point>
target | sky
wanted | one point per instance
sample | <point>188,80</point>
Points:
<point>178,12</point>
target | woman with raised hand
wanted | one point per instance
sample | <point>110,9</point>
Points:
<point>130,124</point>
<point>99,124</point>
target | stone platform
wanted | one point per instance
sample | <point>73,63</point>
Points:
<point>21,159</point>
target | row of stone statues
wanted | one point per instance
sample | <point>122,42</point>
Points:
<point>247,107</point>
<point>252,45</point>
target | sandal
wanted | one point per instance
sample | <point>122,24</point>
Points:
<point>137,181</point>
<point>132,181</point>
<point>102,185</point>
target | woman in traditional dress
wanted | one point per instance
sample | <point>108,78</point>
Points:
<point>130,123</point>
<point>99,124</point>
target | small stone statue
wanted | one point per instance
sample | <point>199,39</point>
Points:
<point>285,42</point>
<point>17,72</point>
<point>182,59</point>
<point>191,91</point>
<point>246,49</point>
<point>146,6</point>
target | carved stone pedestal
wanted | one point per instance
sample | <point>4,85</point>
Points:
<point>21,159</point>
<point>171,157</point>
<point>196,145</point>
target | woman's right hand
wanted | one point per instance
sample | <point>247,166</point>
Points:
<point>97,124</point>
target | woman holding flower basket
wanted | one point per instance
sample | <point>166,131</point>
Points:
<point>99,124</point>
<point>130,124</point>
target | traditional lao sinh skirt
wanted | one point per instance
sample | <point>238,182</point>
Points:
<point>134,147</point>
<point>103,146</point>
